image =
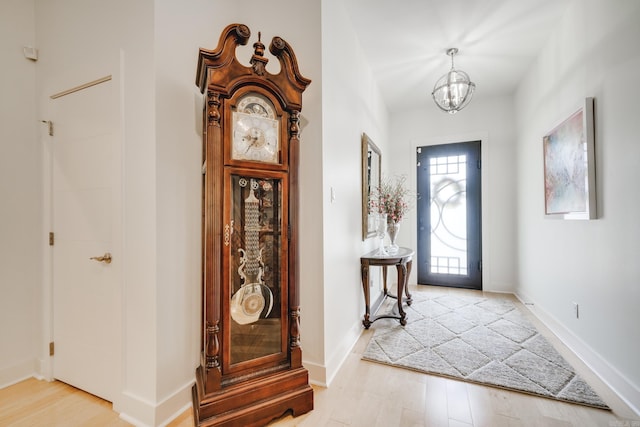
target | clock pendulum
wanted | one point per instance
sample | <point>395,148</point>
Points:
<point>249,302</point>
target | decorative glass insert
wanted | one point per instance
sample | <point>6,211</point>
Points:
<point>448,204</point>
<point>255,269</point>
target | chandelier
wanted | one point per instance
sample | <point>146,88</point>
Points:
<point>453,91</point>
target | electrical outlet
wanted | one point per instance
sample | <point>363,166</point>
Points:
<point>576,310</point>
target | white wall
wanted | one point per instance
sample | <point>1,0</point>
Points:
<point>78,44</point>
<point>331,295</point>
<point>162,164</point>
<point>593,53</point>
<point>490,120</point>
<point>21,235</point>
<point>179,154</point>
<point>179,182</point>
<point>179,102</point>
<point>162,155</point>
<point>352,104</point>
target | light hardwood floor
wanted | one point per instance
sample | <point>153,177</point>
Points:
<point>362,394</point>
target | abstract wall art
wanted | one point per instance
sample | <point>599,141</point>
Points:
<point>569,166</point>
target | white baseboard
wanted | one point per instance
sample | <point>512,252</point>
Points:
<point>613,378</point>
<point>342,352</point>
<point>143,413</point>
<point>45,369</point>
<point>323,375</point>
<point>135,410</point>
<point>175,404</point>
<point>177,413</point>
<point>17,372</point>
<point>317,373</point>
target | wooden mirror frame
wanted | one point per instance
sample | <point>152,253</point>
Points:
<point>371,169</point>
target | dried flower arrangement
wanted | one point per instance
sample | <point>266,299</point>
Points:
<point>392,197</point>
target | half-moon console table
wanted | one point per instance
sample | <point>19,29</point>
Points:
<point>402,260</point>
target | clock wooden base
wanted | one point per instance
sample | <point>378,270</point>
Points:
<point>253,403</point>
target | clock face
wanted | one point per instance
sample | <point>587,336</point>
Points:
<point>255,131</point>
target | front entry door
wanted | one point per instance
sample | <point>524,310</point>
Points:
<point>449,215</point>
<point>86,204</point>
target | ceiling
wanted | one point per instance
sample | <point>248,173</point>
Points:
<point>405,42</point>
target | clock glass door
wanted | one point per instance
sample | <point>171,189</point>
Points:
<point>257,266</point>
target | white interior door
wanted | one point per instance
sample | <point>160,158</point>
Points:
<point>86,199</point>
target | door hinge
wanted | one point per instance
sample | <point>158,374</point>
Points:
<point>479,265</point>
<point>51,238</point>
<point>51,348</point>
<point>479,164</point>
<point>49,124</point>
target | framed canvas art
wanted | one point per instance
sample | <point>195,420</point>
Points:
<point>569,167</point>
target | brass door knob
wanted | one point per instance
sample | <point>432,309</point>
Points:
<point>106,258</point>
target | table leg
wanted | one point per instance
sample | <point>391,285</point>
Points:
<point>364,271</point>
<point>384,279</point>
<point>406,284</point>
<point>402,278</point>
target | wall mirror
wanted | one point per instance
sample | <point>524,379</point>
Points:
<point>371,175</point>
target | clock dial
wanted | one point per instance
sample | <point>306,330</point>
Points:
<point>255,131</point>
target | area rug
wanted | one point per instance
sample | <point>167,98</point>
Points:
<point>482,340</point>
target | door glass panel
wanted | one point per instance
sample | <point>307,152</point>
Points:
<point>448,204</point>
<point>255,269</point>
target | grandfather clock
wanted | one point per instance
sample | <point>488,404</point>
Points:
<point>251,364</point>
